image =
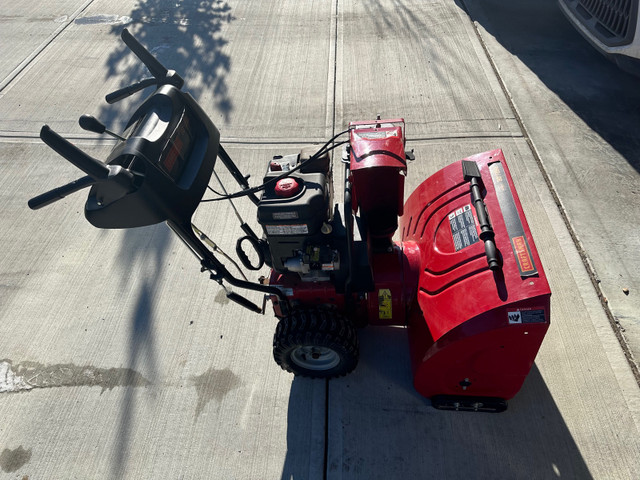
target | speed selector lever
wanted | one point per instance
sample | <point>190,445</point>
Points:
<point>92,124</point>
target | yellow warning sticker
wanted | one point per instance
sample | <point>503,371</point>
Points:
<point>384,304</point>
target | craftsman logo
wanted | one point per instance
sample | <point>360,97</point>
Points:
<point>522,254</point>
<point>515,317</point>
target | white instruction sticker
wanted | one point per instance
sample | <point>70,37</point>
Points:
<point>285,215</point>
<point>302,229</point>
<point>463,228</point>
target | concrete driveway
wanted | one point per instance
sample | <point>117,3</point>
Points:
<point>119,360</point>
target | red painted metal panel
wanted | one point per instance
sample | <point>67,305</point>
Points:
<point>474,331</point>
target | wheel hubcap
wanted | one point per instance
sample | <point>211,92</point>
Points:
<point>315,358</point>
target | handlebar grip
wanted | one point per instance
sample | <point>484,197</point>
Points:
<point>155,67</point>
<point>159,71</point>
<point>59,193</point>
<point>89,165</point>
<point>240,300</point>
<point>125,92</point>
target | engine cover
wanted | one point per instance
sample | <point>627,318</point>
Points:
<point>294,214</point>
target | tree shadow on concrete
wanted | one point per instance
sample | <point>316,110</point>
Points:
<point>185,36</point>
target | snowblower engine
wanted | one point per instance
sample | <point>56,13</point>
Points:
<point>296,213</point>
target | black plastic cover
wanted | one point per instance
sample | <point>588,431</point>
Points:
<point>171,148</point>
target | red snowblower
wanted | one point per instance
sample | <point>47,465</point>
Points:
<point>456,263</point>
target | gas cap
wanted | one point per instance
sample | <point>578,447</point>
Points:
<point>287,187</point>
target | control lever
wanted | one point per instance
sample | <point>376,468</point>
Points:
<point>59,193</point>
<point>162,75</point>
<point>125,92</point>
<point>245,302</point>
<point>92,124</point>
<point>89,165</point>
<point>121,179</point>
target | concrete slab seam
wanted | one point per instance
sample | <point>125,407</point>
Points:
<point>325,456</point>
<point>633,364</point>
<point>333,54</point>
<point>12,137</point>
<point>464,136</point>
<point>27,61</point>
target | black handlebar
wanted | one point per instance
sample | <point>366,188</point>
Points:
<point>59,193</point>
<point>113,182</point>
<point>162,75</point>
<point>89,165</point>
<point>158,70</point>
<point>121,179</point>
<point>125,92</point>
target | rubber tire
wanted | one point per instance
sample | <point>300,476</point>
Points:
<point>320,329</point>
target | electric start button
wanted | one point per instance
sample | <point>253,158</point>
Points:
<point>287,187</point>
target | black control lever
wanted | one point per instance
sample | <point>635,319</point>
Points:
<point>122,180</point>
<point>162,75</point>
<point>92,124</point>
<point>245,302</point>
<point>471,174</point>
<point>59,193</point>
<point>89,165</point>
<point>125,92</point>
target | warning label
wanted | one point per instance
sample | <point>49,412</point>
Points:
<point>463,228</point>
<point>287,229</point>
<point>525,316</point>
<point>285,215</point>
<point>385,304</point>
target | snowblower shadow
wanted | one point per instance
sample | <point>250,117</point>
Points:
<point>378,426</point>
<point>141,261</point>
